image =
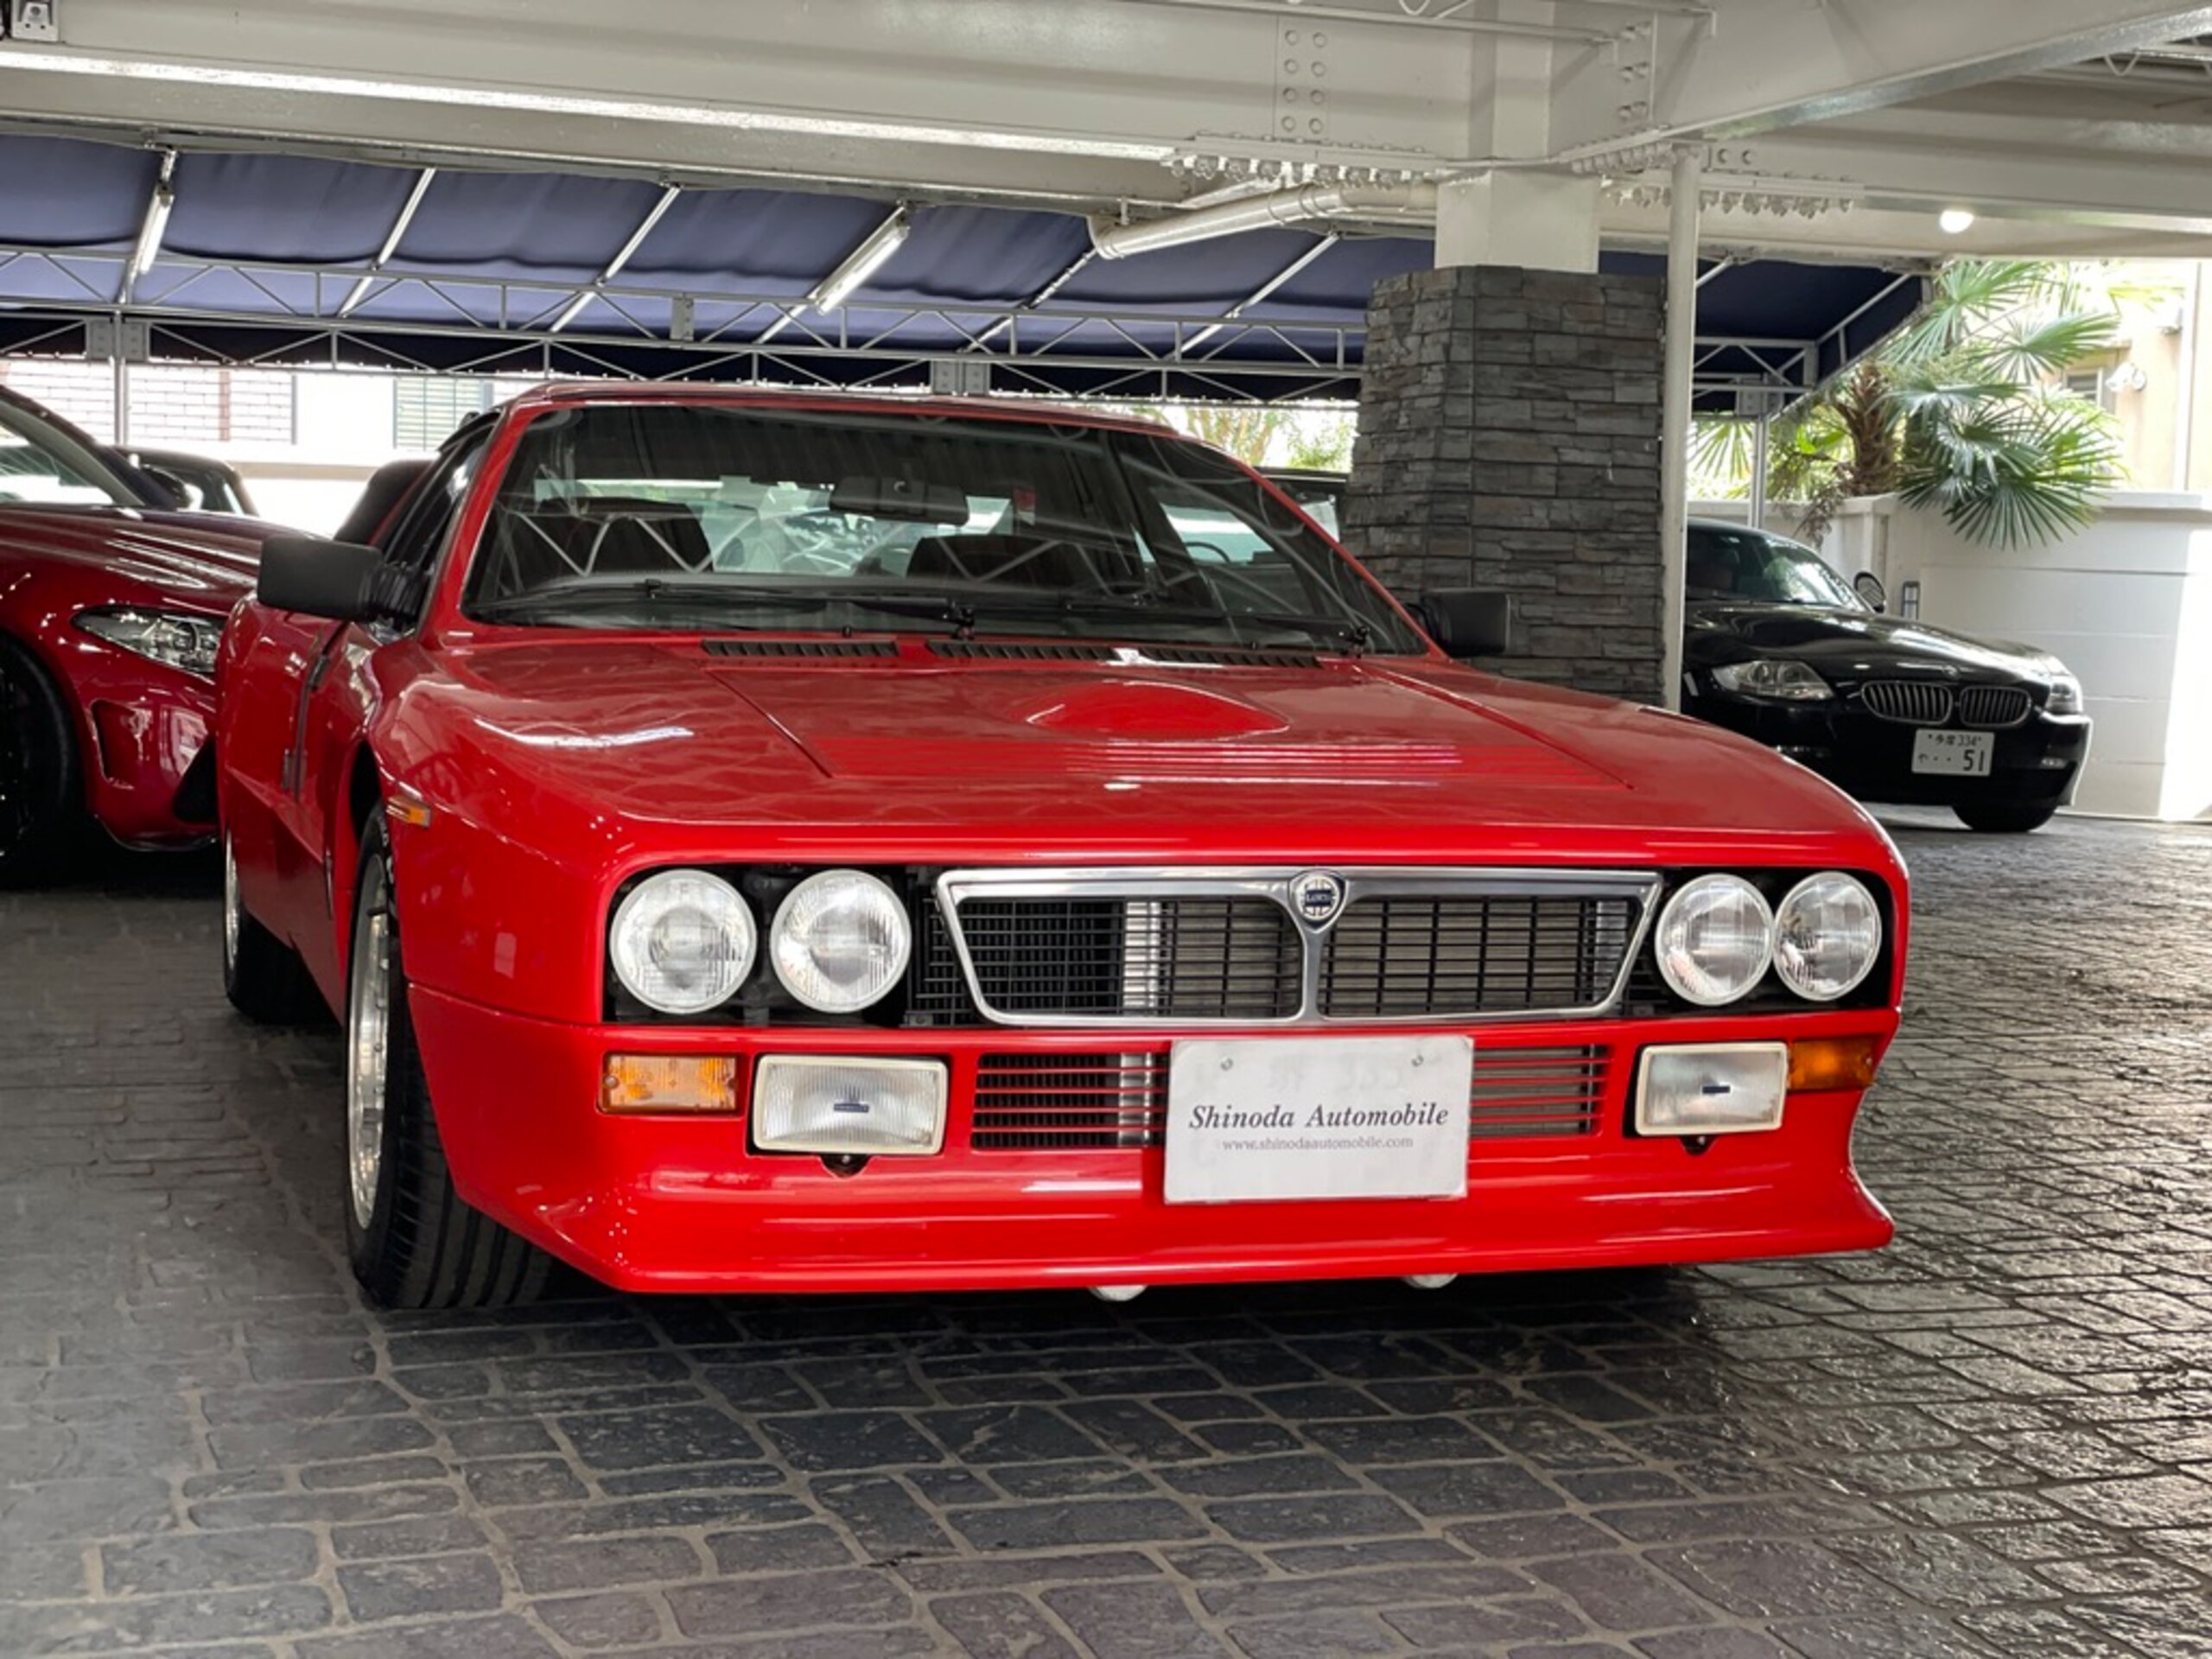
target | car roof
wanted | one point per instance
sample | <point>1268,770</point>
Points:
<point>1042,410</point>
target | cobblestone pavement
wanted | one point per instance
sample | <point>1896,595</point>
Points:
<point>1994,1439</point>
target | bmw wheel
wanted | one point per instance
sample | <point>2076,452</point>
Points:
<point>2005,818</point>
<point>413,1240</point>
<point>38,771</point>
<point>262,977</point>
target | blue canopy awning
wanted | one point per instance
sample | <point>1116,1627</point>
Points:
<point>276,259</point>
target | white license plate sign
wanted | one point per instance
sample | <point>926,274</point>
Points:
<point>1318,1117</point>
<point>1953,754</point>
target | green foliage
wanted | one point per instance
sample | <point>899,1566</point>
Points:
<point>1321,446</point>
<point>1957,412</point>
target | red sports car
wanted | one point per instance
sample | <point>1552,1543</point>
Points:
<point>110,604</point>
<point>768,842</point>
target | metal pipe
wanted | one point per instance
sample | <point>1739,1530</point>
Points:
<point>1452,25</point>
<point>1762,430</point>
<point>2185,398</point>
<point>1299,206</point>
<point>1675,413</point>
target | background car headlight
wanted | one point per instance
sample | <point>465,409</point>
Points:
<point>1773,678</point>
<point>839,940</point>
<point>1715,940</point>
<point>682,941</point>
<point>2065,697</point>
<point>1827,934</point>
<point>176,637</point>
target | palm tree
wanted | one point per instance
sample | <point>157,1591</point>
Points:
<point>1964,411</point>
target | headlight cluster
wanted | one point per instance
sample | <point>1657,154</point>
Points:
<point>176,637</point>
<point>2065,695</point>
<point>1774,679</point>
<point>685,941</point>
<point>1718,937</point>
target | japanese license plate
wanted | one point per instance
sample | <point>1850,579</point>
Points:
<point>1318,1117</point>
<point>1953,754</point>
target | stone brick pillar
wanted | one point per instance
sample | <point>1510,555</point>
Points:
<point>1509,437</point>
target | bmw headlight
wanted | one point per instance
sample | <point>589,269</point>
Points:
<point>1715,940</point>
<point>176,637</point>
<point>2065,697</point>
<point>1776,679</point>
<point>682,941</point>
<point>1827,935</point>
<point>839,940</point>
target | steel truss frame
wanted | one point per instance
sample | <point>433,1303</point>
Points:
<point>536,327</point>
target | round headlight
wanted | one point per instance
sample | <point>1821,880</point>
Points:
<point>682,941</point>
<point>1827,936</point>
<point>1715,940</point>
<point>839,940</point>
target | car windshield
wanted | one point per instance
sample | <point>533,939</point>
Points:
<point>41,466</point>
<point>1752,567</point>
<point>714,516</point>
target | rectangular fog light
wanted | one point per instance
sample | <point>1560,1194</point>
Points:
<point>837,1104</point>
<point>1712,1089</point>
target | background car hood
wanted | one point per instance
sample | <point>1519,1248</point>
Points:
<point>198,562</point>
<point>1848,642</point>
<point>905,755</point>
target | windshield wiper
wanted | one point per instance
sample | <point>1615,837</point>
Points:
<point>656,590</point>
<point>959,611</point>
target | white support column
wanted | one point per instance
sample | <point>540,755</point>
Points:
<point>1762,432</point>
<point>1526,217</point>
<point>1675,414</point>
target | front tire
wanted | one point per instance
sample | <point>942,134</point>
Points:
<point>2004,817</point>
<point>263,977</point>
<point>413,1240</point>
<point>38,792</point>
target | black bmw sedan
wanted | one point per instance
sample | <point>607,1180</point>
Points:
<point>1776,645</point>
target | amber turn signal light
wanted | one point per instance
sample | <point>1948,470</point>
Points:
<point>668,1083</point>
<point>1831,1062</point>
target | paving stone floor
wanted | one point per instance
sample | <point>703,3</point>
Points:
<point>1994,1439</point>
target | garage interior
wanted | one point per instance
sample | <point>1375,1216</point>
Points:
<point>1988,1440</point>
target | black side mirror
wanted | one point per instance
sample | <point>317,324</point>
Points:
<point>318,578</point>
<point>1469,622</point>
<point>1868,586</point>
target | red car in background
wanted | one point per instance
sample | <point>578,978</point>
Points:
<point>110,604</point>
<point>777,842</point>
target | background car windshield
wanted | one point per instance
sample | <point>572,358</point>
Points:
<point>1756,568</point>
<point>41,467</point>
<point>698,515</point>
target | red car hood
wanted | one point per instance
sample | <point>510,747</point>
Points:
<point>195,561</point>
<point>914,758</point>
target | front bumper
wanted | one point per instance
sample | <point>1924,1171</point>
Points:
<point>141,728</point>
<point>2038,762</point>
<point>679,1203</point>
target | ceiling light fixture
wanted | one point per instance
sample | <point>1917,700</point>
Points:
<point>1956,221</point>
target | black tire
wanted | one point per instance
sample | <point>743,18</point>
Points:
<point>2005,818</point>
<point>419,1245</point>
<point>262,977</point>
<point>41,808</point>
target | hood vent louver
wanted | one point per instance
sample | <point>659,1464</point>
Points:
<point>788,649</point>
<point>1164,656</point>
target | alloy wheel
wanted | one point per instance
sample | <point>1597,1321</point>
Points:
<point>368,1047</point>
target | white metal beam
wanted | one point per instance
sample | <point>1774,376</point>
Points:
<point>153,225</point>
<point>1761,65</point>
<point>398,234</point>
<point>622,257</point>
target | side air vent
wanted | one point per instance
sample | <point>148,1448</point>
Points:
<point>793,649</point>
<point>991,650</point>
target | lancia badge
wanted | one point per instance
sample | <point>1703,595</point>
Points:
<point>1317,896</point>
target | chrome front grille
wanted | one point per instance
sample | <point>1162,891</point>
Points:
<point>1194,958</point>
<point>1910,702</point>
<point>1404,957</point>
<point>1077,948</point>
<point>1993,708</point>
<point>1028,1102</point>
